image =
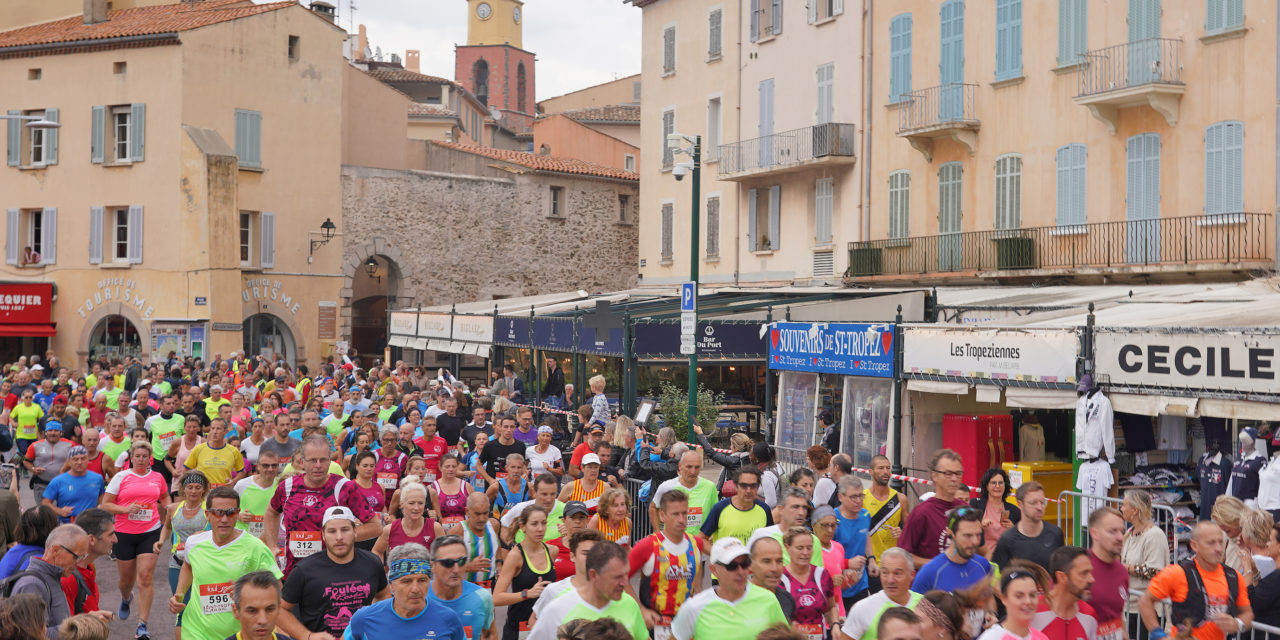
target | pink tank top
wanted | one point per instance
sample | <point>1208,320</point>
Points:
<point>374,495</point>
<point>453,508</point>
<point>397,536</point>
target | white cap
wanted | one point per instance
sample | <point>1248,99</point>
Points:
<point>339,513</point>
<point>726,550</point>
<point>590,458</point>
<point>37,367</point>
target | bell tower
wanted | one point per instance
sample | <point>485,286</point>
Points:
<point>495,22</point>
<point>493,65</point>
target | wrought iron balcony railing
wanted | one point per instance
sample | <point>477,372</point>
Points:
<point>760,155</point>
<point>937,107</point>
<point>1129,65</point>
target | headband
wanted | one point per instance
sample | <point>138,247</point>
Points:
<point>195,478</point>
<point>408,567</point>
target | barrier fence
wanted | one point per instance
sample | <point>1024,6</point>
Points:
<point>1074,509</point>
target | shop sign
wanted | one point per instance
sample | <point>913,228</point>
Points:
<point>998,354</point>
<point>404,324</point>
<point>511,331</point>
<point>118,290</point>
<point>202,301</point>
<point>555,334</point>
<point>327,319</point>
<point>840,348</point>
<point>26,303</point>
<point>473,328</point>
<point>610,346</point>
<point>1238,361</point>
<point>434,325</point>
<point>266,289</point>
<point>715,338</point>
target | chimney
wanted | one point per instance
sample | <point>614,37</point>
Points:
<point>363,43</point>
<point>324,9</point>
<point>95,11</point>
<point>411,60</point>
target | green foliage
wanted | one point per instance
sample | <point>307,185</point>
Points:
<point>673,402</point>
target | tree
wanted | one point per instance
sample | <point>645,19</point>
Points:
<point>673,402</point>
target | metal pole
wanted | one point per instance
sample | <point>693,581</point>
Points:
<point>897,401</point>
<point>628,366</point>
<point>768,385</point>
<point>694,246</point>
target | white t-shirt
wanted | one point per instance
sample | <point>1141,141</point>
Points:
<point>250,450</point>
<point>864,612</point>
<point>822,490</point>
<point>551,456</point>
<point>551,592</point>
<point>1172,431</point>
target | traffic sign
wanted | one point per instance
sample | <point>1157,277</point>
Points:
<point>687,338</point>
<point>689,296</point>
<point>686,349</point>
<point>688,323</point>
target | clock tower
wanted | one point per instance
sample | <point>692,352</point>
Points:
<point>493,65</point>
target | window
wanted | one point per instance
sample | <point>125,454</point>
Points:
<point>1008,39</point>
<point>899,57</point>
<point>1224,168</point>
<point>820,10</point>
<point>715,33</point>
<point>713,227</point>
<point>480,80</point>
<point>1008,213</point>
<point>119,68</point>
<point>668,50</point>
<point>120,234</point>
<point>293,48</point>
<point>557,202</point>
<point>899,204</point>
<point>823,202</point>
<point>1071,184</point>
<point>28,147</point>
<point>826,93</point>
<point>1224,15</point>
<point>118,134</point>
<point>764,218</point>
<point>521,88</point>
<point>635,92</point>
<point>624,208</point>
<point>766,19</point>
<point>628,161</point>
<point>668,231</point>
<point>711,144</point>
<point>121,227</point>
<point>246,238</point>
<point>249,138</point>
<point>668,128</point>
<point>1072,31</point>
<point>34,74</point>
<point>31,237</point>
<point>37,145</point>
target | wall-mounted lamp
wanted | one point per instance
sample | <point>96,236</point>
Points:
<point>327,230</point>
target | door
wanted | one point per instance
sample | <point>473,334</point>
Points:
<point>766,123</point>
<point>950,252</point>
<point>1142,199</point>
<point>1144,53</point>
<point>951,67</point>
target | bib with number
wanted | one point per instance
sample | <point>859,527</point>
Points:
<point>167,441</point>
<point>694,519</point>
<point>811,631</point>
<point>428,478</point>
<point>388,481</point>
<point>304,543</point>
<point>215,598</point>
<point>524,630</point>
<point>141,516</point>
<point>257,524</point>
<point>452,519</point>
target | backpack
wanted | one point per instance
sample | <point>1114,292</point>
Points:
<point>8,584</point>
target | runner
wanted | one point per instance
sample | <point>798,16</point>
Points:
<point>575,519</point>
<point>191,438</point>
<point>389,464</point>
<point>99,462</point>
<point>216,458</point>
<point>181,521</point>
<point>408,613</point>
<point>809,585</point>
<point>472,603</point>
<point>897,570</point>
<point>542,456</point>
<point>528,569</point>
<point>362,469</point>
<point>1063,613</point>
<point>480,535</point>
<point>589,487</point>
<point>449,493</point>
<point>670,563</point>
<point>742,514</point>
<point>326,589</point>
<point>512,489</point>
<point>603,596</point>
<point>433,449</point>
<point>216,559</point>
<point>45,457</point>
<point>701,491</point>
<point>734,608</point>
<point>164,429</point>
<point>74,490</point>
<point>25,416</point>
<point>545,488</point>
<point>1020,594</point>
<point>580,544</point>
<point>414,527</point>
<point>493,459</point>
<point>116,440</point>
<point>255,602</point>
<point>137,497</point>
<point>256,492</point>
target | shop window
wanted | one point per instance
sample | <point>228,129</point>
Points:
<point>115,337</point>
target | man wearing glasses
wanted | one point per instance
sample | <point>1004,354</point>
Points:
<point>472,603</point>
<point>734,608</point>
<point>326,589</point>
<point>925,534</point>
<point>961,567</point>
<point>215,560</point>
<point>65,546</point>
<point>256,492</point>
<point>741,515</point>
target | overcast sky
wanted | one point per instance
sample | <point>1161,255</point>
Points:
<point>579,43</point>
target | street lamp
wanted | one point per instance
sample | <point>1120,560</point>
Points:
<point>327,229</point>
<point>34,122</point>
<point>678,142</point>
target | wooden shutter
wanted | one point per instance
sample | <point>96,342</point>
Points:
<point>14,138</point>
<point>95,235</point>
<point>51,138</point>
<point>1213,169</point>
<point>267,239</point>
<point>777,17</point>
<point>775,216</point>
<point>826,95</point>
<point>98,136</point>
<point>952,34</point>
<point>1144,19</point>
<point>1224,168</point>
<point>249,138</point>
<point>752,210</point>
<point>837,7</point>
<point>813,10</point>
<point>669,50</point>
<point>715,38</point>
<point>1072,30</point>
<point>899,57</point>
<point>137,131</point>
<point>899,203</point>
<point>1008,203</point>
<point>1233,15</point>
<point>668,230</point>
<point>755,20</point>
<point>823,204</point>
<point>1008,39</point>
<point>135,234</point>
<point>12,243</point>
<point>50,239</point>
<point>713,227</point>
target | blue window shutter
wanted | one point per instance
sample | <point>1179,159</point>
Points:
<point>1233,150</point>
<point>755,20</point>
<point>11,240</point>
<point>775,216</point>
<point>255,138</point>
<point>135,234</point>
<point>98,136</point>
<point>777,17</point>
<point>899,56</point>
<point>50,239</point>
<point>1072,30</point>
<point>1213,169</point>
<point>242,135</point>
<point>1071,184</point>
<point>267,239</point>
<point>95,235</point>
<point>14,138</point>
<point>1213,15</point>
<point>952,40</point>
<point>137,131</point>
<point>1234,15</point>
<point>51,138</point>
<point>752,209</point>
<point>1008,39</point>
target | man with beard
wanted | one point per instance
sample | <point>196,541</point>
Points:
<point>1111,595</point>
<point>1032,538</point>
<point>887,507</point>
<point>1069,617</point>
<point>326,589</point>
<point>960,567</point>
<point>924,535</point>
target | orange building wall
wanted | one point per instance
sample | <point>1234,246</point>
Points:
<point>567,138</point>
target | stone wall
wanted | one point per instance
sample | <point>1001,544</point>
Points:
<point>462,238</point>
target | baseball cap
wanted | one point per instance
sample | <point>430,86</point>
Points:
<point>596,425</point>
<point>726,550</point>
<point>37,367</point>
<point>348,366</point>
<point>339,513</point>
<point>575,507</point>
<point>60,399</point>
<point>590,458</point>
<point>1086,383</point>
<point>371,412</point>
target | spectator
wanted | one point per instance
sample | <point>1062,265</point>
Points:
<point>77,489</point>
<point>553,389</point>
<point>599,402</point>
<point>739,443</point>
<point>1265,594</point>
<point>998,515</point>
<point>408,613</point>
<point>33,529</point>
<point>255,602</point>
<point>22,617</point>
<point>922,535</point>
<point>762,455</point>
<point>1033,539</point>
<point>83,583</point>
<point>67,545</point>
<point>1145,550</point>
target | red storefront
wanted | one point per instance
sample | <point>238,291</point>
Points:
<point>26,319</point>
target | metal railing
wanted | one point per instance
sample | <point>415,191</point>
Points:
<point>788,147</point>
<point>933,107</point>
<point>1132,64</point>
<point>1207,239</point>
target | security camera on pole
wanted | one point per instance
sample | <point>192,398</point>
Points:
<point>689,290</point>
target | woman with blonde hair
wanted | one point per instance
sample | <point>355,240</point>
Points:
<point>1255,534</point>
<point>84,627</point>
<point>1146,548</point>
<point>612,519</point>
<point>1227,513</point>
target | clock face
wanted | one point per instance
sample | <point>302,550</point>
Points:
<point>483,11</point>
<point>515,13</point>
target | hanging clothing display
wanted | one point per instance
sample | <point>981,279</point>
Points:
<point>1095,430</point>
<point>1213,472</point>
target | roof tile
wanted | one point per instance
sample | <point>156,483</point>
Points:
<point>169,18</point>
<point>544,163</point>
<point>627,113</point>
<point>423,109</point>
<point>404,75</point>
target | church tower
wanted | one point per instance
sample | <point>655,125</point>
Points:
<point>493,65</point>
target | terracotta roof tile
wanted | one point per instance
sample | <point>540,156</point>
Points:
<point>422,109</point>
<point>169,18</point>
<point>404,75</point>
<point>624,113</point>
<point>544,163</point>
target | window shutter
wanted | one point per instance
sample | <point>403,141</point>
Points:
<point>1213,169</point>
<point>98,136</point>
<point>713,227</point>
<point>135,234</point>
<point>137,131</point>
<point>255,138</point>
<point>775,216</point>
<point>51,138</point>
<point>837,7</point>
<point>777,17</point>
<point>14,138</point>
<point>1233,16</point>
<point>50,239</point>
<point>1079,190</point>
<point>11,239</point>
<point>1213,15</point>
<point>1063,160</point>
<point>1233,171</point>
<point>714,37</point>
<point>824,195</point>
<point>668,230</point>
<point>752,211</point>
<point>267,239</point>
<point>813,10</point>
<point>1008,39</point>
<point>95,235</point>
<point>755,20</point>
<point>669,50</point>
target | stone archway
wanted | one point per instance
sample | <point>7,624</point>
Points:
<point>356,289</point>
<point>103,311</point>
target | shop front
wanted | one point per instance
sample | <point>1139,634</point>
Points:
<point>842,368</point>
<point>26,319</point>
<point>458,342</point>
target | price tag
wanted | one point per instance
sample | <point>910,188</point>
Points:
<point>304,543</point>
<point>257,524</point>
<point>215,598</point>
<point>144,515</point>
<point>811,631</point>
<point>694,519</point>
<point>388,481</point>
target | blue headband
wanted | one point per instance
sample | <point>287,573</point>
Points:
<point>408,567</point>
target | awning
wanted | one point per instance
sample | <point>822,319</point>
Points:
<point>1242,409</point>
<point>28,330</point>
<point>1024,398</point>
<point>1152,405</point>
<point>399,341</point>
<point>935,386</point>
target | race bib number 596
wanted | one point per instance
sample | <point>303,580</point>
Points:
<point>215,598</point>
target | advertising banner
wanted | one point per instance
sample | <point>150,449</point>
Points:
<point>403,323</point>
<point>715,338</point>
<point>511,331</point>
<point>1240,361</point>
<point>999,354</point>
<point>473,328</point>
<point>434,325</point>
<point>554,334</point>
<point>839,348</point>
<point>26,303</point>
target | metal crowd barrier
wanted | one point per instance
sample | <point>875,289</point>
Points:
<point>1074,509</point>
<point>640,525</point>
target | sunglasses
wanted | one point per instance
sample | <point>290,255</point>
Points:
<point>748,485</point>
<point>738,564</point>
<point>225,513</point>
<point>449,563</point>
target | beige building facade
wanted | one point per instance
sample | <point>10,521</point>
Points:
<point>180,205</point>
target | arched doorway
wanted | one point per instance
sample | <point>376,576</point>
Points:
<point>374,286</point>
<point>266,334</point>
<point>115,336</point>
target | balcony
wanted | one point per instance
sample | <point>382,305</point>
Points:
<point>1227,242</point>
<point>824,145</point>
<point>944,111</point>
<point>1144,72</point>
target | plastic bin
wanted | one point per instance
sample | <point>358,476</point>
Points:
<point>1055,476</point>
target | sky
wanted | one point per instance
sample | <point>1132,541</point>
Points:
<point>579,43</point>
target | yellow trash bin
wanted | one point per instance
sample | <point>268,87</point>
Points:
<point>1055,476</point>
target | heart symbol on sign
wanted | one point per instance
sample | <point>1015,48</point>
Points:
<point>773,337</point>
<point>857,364</point>
<point>815,361</point>
<point>886,341</point>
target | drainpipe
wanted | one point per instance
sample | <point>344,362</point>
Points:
<point>737,218</point>
<point>867,33</point>
<point>1276,203</point>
